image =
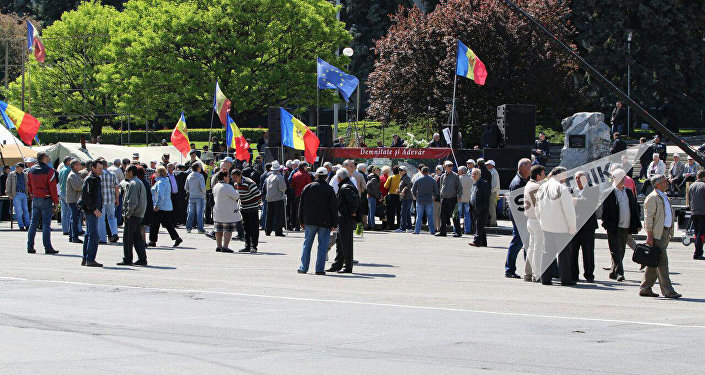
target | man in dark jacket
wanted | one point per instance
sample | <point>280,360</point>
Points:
<point>618,144</point>
<point>480,202</point>
<point>91,202</point>
<point>42,183</point>
<point>542,149</point>
<point>135,205</point>
<point>515,246</point>
<point>348,205</point>
<point>618,118</point>
<point>318,211</point>
<point>620,217</point>
<point>588,199</point>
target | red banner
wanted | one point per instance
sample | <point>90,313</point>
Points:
<point>385,152</point>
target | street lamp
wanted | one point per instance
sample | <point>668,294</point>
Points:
<point>347,51</point>
<point>630,36</point>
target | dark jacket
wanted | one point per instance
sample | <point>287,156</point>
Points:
<point>348,198</point>
<point>150,203</point>
<point>485,174</point>
<point>91,197</point>
<point>543,146</point>
<point>610,213</point>
<point>480,197</point>
<point>619,117</point>
<point>373,187</point>
<point>318,205</point>
<point>660,149</point>
<point>618,145</point>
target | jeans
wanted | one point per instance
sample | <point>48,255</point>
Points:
<point>118,210</point>
<point>65,215</point>
<point>108,214</point>
<point>464,212</point>
<point>421,210</point>
<point>195,208</point>
<point>21,211</point>
<point>372,207</point>
<point>263,218</point>
<point>41,210</point>
<point>405,223</point>
<point>323,237</point>
<point>90,241</point>
<point>510,265</point>
<point>74,228</point>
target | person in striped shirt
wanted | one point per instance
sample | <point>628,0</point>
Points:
<point>250,198</point>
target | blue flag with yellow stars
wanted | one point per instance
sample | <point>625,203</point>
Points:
<point>330,77</point>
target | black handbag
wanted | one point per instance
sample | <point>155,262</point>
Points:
<point>647,255</point>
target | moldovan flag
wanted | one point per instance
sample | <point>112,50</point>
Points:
<point>235,139</point>
<point>26,125</point>
<point>179,137</point>
<point>34,43</point>
<point>221,105</point>
<point>298,136</point>
<point>469,65</point>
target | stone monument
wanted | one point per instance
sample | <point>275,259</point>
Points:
<point>587,138</point>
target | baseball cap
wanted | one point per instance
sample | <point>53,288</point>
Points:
<point>228,160</point>
<point>321,171</point>
<point>491,162</point>
<point>136,155</point>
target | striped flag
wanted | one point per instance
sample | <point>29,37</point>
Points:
<point>34,43</point>
<point>27,126</point>
<point>235,139</point>
<point>221,105</point>
<point>469,65</point>
<point>179,137</point>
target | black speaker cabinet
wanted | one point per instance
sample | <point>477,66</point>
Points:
<point>274,127</point>
<point>518,123</point>
<point>325,135</point>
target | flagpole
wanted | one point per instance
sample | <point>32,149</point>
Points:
<point>24,57</point>
<point>210,131</point>
<point>317,97</point>
<point>452,112</point>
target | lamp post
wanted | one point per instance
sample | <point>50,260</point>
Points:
<point>630,35</point>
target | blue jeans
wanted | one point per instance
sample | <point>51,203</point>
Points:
<point>74,228</point>
<point>118,210</point>
<point>65,215</point>
<point>195,208</point>
<point>464,212</point>
<point>19,202</point>
<point>421,210</point>
<point>263,218</point>
<point>405,223</point>
<point>109,214</point>
<point>90,240</point>
<point>372,205</point>
<point>41,210</point>
<point>510,265</point>
<point>323,238</point>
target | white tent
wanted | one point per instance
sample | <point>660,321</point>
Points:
<point>59,151</point>
<point>12,150</point>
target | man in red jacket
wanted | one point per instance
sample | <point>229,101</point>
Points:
<point>41,186</point>
<point>298,182</point>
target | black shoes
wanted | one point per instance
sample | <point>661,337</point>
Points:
<point>93,264</point>
<point>31,251</point>
<point>300,271</point>
<point>77,240</point>
<point>124,263</point>
<point>253,250</point>
<point>83,262</point>
<point>345,270</point>
<point>245,250</point>
<point>51,252</point>
<point>698,257</point>
<point>440,234</point>
<point>226,250</point>
<point>320,273</point>
<point>151,244</point>
<point>512,276</point>
<point>333,269</point>
<point>218,250</point>
<point>140,262</point>
<point>647,293</point>
<point>280,235</point>
<point>114,238</point>
<point>457,235</point>
<point>178,242</point>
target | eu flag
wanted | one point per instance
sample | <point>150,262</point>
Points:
<point>330,77</point>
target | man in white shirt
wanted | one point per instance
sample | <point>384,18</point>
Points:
<point>656,167</point>
<point>658,223</point>
<point>494,192</point>
<point>532,268</point>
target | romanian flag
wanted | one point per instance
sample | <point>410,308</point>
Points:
<point>26,125</point>
<point>469,65</point>
<point>34,43</point>
<point>221,105</point>
<point>298,136</point>
<point>235,139</point>
<point>179,137</point>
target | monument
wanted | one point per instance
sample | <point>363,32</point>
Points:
<point>587,138</point>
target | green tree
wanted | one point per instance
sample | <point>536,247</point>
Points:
<point>48,11</point>
<point>167,54</point>
<point>667,55</point>
<point>65,88</point>
<point>415,67</point>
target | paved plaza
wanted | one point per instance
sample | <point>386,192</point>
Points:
<point>415,305</point>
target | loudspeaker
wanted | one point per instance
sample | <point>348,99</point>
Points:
<point>506,161</point>
<point>274,127</point>
<point>325,135</point>
<point>518,123</point>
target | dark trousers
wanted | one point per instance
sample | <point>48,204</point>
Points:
<point>447,207</point>
<point>250,222</point>
<point>289,208</point>
<point>584,239</point>
<point>275,218</point>
<point>178,202</point>
<point>209,207</point>
<point>393,210</point>
<point>699,226</point>
<point>645,187</point>
<point>295,213</point>
<point>643,169</point>
<point>165,219</point>
<point>480,219</point>
<point>617,241</point>
<point>132,237</point>
<point>344,244</point>
<point>559,244</point>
